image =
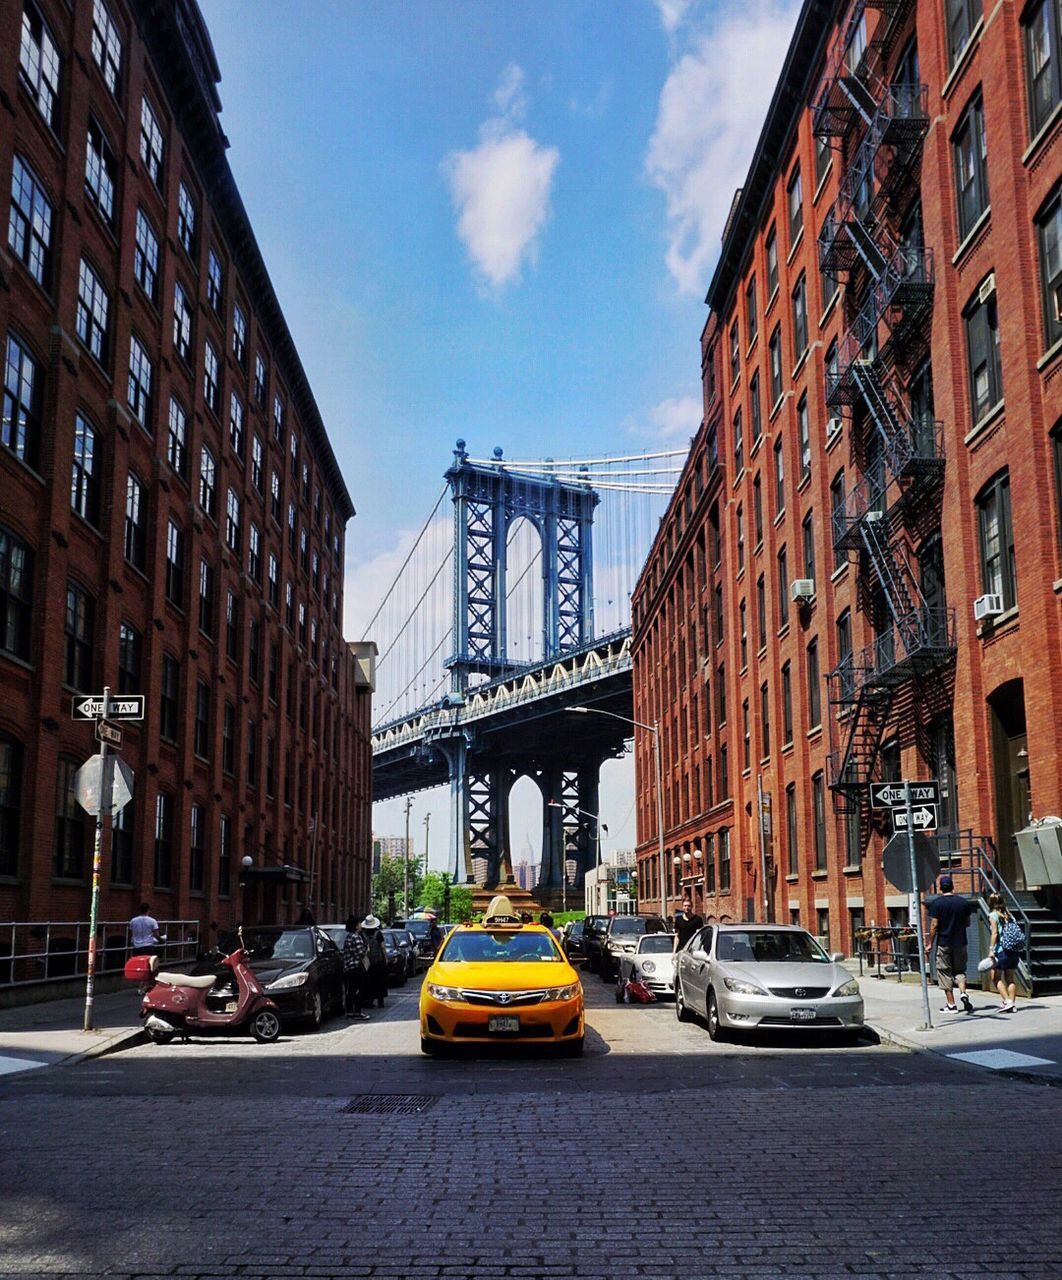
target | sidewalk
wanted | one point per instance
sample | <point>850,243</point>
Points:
<point>1027,1042</point>
<point>44,1034</point>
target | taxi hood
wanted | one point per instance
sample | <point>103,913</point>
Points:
<point>506,975</point>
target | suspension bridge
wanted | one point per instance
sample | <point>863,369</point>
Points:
<point>506,612</point>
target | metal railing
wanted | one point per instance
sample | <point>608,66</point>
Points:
<point>35,951</point>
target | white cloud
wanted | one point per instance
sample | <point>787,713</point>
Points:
<point>678,417</point>
<point>501,189</point>
<point>710,114</point>
<point>672,13</point>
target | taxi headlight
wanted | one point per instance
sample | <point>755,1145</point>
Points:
<point>648,966</point>
<point>563,993</point>
<point>444,993</point>
<point>850,988</point>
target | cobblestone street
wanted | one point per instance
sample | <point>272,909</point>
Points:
<point>657,1155</point>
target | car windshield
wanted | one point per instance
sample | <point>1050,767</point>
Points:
<point>628,925</point>
<point>763,946</point>
<point>490,947</point>
<point>337,933</point>
<point>419,928</point>
<point>656,944</point>
<point>279,944</point>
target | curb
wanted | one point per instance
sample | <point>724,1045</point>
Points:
<point>1011,1073</point>
<point>128,1039</point>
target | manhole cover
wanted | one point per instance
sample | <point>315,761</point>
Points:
<point>390,1104</point>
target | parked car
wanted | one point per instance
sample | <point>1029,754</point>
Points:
<point>421,930</point>
<point>652,962</point>
<point>745,977</point>
<point>300,967</point>
<point>573,941</point>
<point>621,939</point>
<point>594,929</point>
<point>400,956</point>
<point>407,943</point>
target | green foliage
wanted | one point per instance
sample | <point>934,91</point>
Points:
<point>433,894</point>
<point>387,886</point>
<point>562,917</point>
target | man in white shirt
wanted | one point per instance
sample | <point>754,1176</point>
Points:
<point>143,932</point>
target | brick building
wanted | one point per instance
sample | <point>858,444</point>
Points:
<point>172,516</point>
<point>837,594</point>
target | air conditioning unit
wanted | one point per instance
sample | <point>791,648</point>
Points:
<point>988,287</point>
<point>802,588</point>
<point>833,425</point>
<point>988,606</point>
<point>872,517</point>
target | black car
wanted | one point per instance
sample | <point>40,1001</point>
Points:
<point>407,944</point>
<point>300,967</point>
<point>397,949</point>
<point>621,939</point>
<point>573,941</point>
<point>594,928</point>
<point>421,930</point>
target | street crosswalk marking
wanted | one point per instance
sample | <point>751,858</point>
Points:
<point>9,1065</point>
<point>1001,1059</point>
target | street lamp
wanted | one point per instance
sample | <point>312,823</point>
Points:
<point>601,826</point>
<point>654,729</point>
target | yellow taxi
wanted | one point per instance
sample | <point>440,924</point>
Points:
<point>501,981</point>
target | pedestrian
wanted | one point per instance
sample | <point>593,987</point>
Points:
<point>435,934</point>
<point>1005,958</point>
<point>687,922</point>
<point>950,913</point>
<point>355,966</point>
<point>546,920</point>
<point>376,974</point>
<point>144,936</point>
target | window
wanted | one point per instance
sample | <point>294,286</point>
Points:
<point>135,522</point>
<point>818,803</point>
<point>273,675</point>
<point>804,438</point>
<point>39,63</point>
<point>304,548</point>
<point>836,511</point>
<point>163,840</point>
<point>787,704</point>
<point>271,767</point>
<point>302,623</point>
<point>278,419</point>
<point>236,424</point>
<point>761,612</point>
<point>78,627</point>
<point>783,588</point>
<point>776,366</point>
<point>174,563</point>
<point>254,552</point>
<point>228,739</point>
<point>724,848</point>
<point>224,856</point>
<point>997,540</point>
<point>20,426</point>
<point>202,719</point>
<point>294,454</point>
<point>800,318</point>
<point>717,605</point>
<point>1049,235</point>
<point>106,46</point>
<point>176,452</point>
<point>750,310</point>
<point>151,143</point>
<point>257,454</point>
<point>85,472</point>
<point>211,384</point>
<point>232,521</point>
<point>982,347</point>
<point>740,539</point>
<point>795,192</point>
<point>772,265</point>
<point>961,17</point>
<point>232,627</point>
<point>1042,22</point>
<point>239,335</point>
<point>971,166</point>
<point>735,352</point>
<point>254,650</point>
<point>791,846</point>
<point>93,311</point>
<point>823,155</point>
<point>720,693</point>
<point>293,528</point>
<point>765,721</point>
<point>146,256</point>
<point>141,380</point>
<point>206,598</point>
<point>186,220</point>
<point>1056,441</point>
<point>208,473</point>
<point>182,323</point>
<point>744,634</point>
<point>274,496</point>
<point>289,605</point>
<point>746,737</point>
<point>252,754</point>
<point>274,581</point>
<point>779,478</point>
<point>259,380</point>
<point>29,228</point>
<point>739,445</point>
<point>69,825</point>
<point>306,482</point>
<point>196,827</point>
<point>755,415</point>
<point>814,694</point>
<point>101,172</point>
<point>169,699</point>
<point>809,547</point>
<point>757,510</point>
<point>129,654</point>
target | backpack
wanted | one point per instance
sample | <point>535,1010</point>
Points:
<point>1012,936</point>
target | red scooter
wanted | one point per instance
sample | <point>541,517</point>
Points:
<point>178,1004</point>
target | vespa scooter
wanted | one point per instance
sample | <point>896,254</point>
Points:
<point>178,1004</point>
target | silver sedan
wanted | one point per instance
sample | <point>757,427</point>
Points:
<point>652,962</point>
<point>745,977</point>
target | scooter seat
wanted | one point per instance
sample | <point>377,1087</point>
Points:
<point>184,980</point>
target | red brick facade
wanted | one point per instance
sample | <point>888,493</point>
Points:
<point>718,638</point>
<point>224,568</point>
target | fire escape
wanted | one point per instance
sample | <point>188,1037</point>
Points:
<point>876,129</point>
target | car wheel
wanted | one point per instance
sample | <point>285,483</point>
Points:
<point>716,1030</point>
<point>682,1011</point>
<point>265,1026</point>
<point>316,1015</point>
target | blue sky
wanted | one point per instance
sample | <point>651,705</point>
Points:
<point>494,220</point>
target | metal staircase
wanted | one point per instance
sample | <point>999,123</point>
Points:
<point>877,128</point>
<point>1045,945</point>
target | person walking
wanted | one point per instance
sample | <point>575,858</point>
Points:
<point>376,975</point>
<point>1005,929</point>
<point>355,965</point>
<point>949,915</point>
<point>687,922</point>
<point>144,936</point>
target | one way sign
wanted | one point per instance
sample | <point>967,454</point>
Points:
<point>128,707</point>
<point>887,795</point>
<point>924,818</point>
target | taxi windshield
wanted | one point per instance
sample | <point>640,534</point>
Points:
<point>496,947</point>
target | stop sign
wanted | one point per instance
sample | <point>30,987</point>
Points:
<point>896,863</point>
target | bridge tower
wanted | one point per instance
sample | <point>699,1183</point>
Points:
<point>488,500</point>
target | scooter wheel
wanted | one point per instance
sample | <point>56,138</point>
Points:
<point>265,1026</point>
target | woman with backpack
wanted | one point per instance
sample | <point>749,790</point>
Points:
<point>1005,948</point>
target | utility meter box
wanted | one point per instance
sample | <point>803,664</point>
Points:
<point>1040,848</point>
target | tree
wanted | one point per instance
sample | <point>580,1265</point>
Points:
<point>387,886</point>
<point>433,894</point>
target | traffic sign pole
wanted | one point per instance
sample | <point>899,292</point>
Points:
<point>97,859</point>
<point>922,957</point>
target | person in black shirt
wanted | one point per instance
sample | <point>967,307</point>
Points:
<point>950,913</point>
<point>687,922</point>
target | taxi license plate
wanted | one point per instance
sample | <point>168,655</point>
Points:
<point>503,1024</point>
<point>802,1015</point>
<point>231,1006</point>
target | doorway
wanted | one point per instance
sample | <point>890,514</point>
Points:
<point>1010,769</point>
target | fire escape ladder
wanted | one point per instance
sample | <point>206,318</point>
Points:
<point>897,439</point>
<point>859,95</point>
<point>894,575</point>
